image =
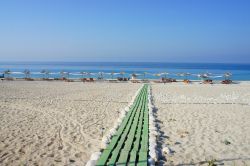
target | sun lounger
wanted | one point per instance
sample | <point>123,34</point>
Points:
<point>63,78</point>
<point>9,79</point>
<point>168,80</point>
<point>186,81</point>
<point>69,80</point>
<point>112,80</point>
<point>29,79</point>
<point>119,79</point>
<point>125,79</point>
<point>84,79</point>
<point>135,80</point>
<point>227,82</point>
<point>90,80</point>
<point>157,81</point>
<point>208,81</point>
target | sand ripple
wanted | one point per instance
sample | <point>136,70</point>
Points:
<point>56,123</point>
<point>202,123</point>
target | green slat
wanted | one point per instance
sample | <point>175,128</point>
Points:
<point>120,143</point>
<point>131,135</point>
<point>133,156</point>
<point>123,157</point>
<point>129,142</point>
<point>104,157</point>
<point>110,147</point>
<point>143,156</point>
<point>115,154</point>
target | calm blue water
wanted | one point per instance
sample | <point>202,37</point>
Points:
<point>239,71</point>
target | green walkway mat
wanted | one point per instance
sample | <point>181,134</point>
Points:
<point>129,145</point>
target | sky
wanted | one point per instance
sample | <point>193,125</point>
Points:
<point>125,30</point>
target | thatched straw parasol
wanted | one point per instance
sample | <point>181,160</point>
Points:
<point>7,73</point>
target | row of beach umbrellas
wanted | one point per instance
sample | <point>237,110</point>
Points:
<point>66,74</point>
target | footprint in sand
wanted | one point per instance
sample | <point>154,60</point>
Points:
<point>79,155</point>
<point>60,147</point>
<point>58,159</point>
<point>89,145</point>
<point>51,155</point>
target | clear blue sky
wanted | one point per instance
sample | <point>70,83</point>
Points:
<point>125,30</point>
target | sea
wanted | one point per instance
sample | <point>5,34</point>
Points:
<point>149,70</point>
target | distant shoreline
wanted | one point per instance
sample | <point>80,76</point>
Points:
<point>152,69</point>
<point>154,81</point>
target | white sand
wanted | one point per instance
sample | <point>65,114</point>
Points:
<point>57,123</point>
<point>197,120</point>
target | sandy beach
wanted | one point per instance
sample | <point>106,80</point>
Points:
<point>57,123</point>
<point>201,123</point>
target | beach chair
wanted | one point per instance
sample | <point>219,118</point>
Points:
<point>208,81</point>
<point>69,80</point>
<point>166,80</point>
<point>2,77</point>
<point>84,79</point>
<point>119,79</point>
<point>157,81</point>
<point>63,79</point>
<point>173,80</point>
<point>29,79</point>
<point>135,81</point>
<point>9,79</point>
<point>145,81</point>
<point>187,81</point>
<point>227,82</point>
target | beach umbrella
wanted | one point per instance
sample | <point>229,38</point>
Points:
<point>165,74</point>
<point>67,74</point>
<point>227,75</point>
<point>26,73</point>
<point>7,72</point>
<point>62,74</point>
<point>82,73</point>
<point>101,75</point>
<point>122,74</point>
<point>44,73</point>
<point>112,74</point>
<point>134,75</point>
<point>204,76</point>
<point>184,75</point>
<point>47,73</point>
<point>89,74</point>
<point>200,76</point>
<point>157,74</point>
